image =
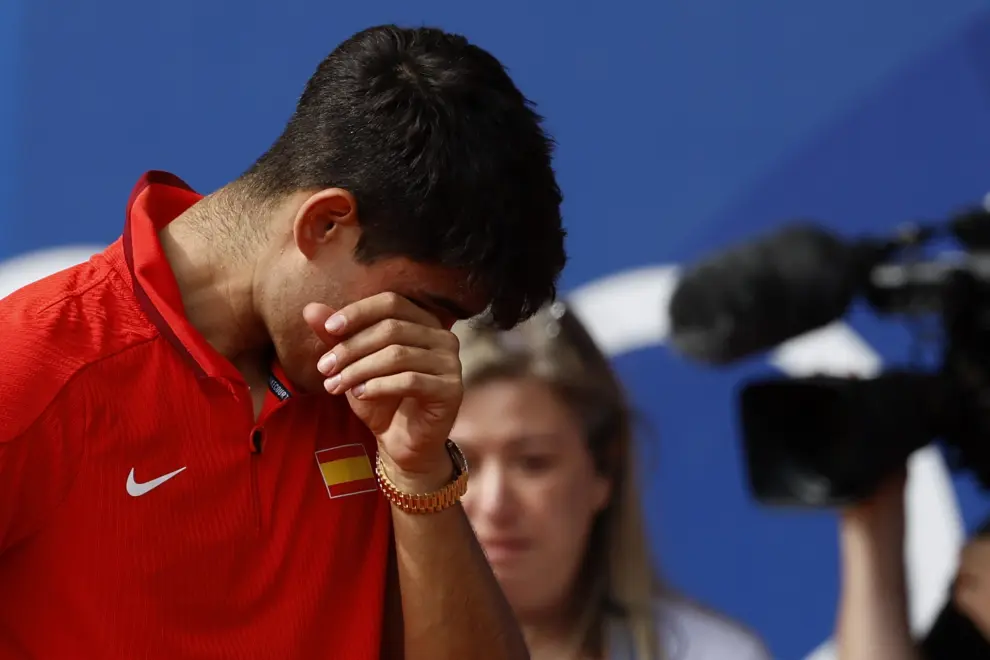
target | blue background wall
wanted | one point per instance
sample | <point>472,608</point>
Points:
<point>682,126</point>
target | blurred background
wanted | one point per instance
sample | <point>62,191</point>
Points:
<point>683,126</point>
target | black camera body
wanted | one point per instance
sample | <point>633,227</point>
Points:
<point>825,441</point>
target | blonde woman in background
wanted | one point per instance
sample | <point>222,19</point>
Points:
<point>548,435</point>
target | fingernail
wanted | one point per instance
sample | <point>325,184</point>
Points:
<point>331,383</point>
<point>327,363</point>
<point>336,323</point>
<point>358,390</point>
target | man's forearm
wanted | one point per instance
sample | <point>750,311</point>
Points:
<point>452,605</point>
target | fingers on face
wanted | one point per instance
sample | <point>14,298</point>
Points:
<point>390,347</point>
<point>381,335</point>
<point>418,385</point>
<point>393,359</point>
<point>378,336</point>
<point>385,345</point>
<point>368,311</point>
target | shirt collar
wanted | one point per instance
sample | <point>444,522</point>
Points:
<point>157,199</point>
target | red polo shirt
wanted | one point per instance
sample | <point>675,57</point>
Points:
<point>144,513</point>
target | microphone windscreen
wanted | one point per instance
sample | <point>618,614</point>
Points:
<point>758,294</point>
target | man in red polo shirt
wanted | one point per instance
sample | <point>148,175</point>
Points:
<point>226,435</point>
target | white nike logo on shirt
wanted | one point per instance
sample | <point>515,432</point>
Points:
<point>134,489</point>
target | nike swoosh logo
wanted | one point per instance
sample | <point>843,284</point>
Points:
<point>134,489</point>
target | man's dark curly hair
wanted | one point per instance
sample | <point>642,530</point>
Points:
<point>446,158</point>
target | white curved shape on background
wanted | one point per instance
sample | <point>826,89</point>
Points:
<point>23,269</point>
<point>628,311</point>
<point>835,350</point>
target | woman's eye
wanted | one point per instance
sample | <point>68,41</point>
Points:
<point>536,463</point>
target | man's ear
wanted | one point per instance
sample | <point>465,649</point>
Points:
<point>319,217</point>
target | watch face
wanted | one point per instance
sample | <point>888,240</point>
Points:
<point>460,462</point>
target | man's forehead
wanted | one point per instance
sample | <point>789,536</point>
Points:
<point>461,302</point>
<point>456,308</point>
<point>451,290</point>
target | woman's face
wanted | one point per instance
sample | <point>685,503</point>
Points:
<point>533,491</point>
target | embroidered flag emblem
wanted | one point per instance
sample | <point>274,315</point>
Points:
<point>346,470</point>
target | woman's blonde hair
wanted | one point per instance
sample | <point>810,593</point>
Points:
<point>616,580</point>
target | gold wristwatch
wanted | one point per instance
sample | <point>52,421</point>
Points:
<point>433,502</point>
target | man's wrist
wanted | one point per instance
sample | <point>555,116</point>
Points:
<point>430,475</point>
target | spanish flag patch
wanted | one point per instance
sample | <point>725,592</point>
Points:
<point>346,470</point>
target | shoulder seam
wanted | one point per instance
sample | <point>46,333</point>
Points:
<point>83,451</point>
<point>78,292</point>
<point>80,370</point>
<point>112,278</point>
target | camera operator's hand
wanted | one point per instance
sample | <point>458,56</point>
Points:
<point>972,588</point>
<point>879,520</point>
<point>873,621</point>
